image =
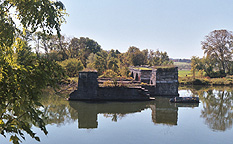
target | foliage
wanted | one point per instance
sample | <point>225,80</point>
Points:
<point>82,48</point>
<point>112,64</point>
<point>135,56</point>
<point>22,73</point>
<point>109,74</point>
<point>21,83</point>
<point>108,84</point>
<point>208,65</point>
<point>218,45</point>
<point>218,60</point>
<point>158,58</point>
<point>46,15</point>
<point>124,71</point>
<point>55,55</point>
<point>206,81</point>
<point>93,57</point>
<point>72,66</point>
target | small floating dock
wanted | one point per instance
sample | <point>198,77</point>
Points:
<point>185,100</point>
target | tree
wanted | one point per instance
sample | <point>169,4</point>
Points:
<point>158,58</point>
<point>82,47</point>
<point>112,64</point>
<point>195,61</point>
<point>219,45</point>
<point>136,57</point>
<point>72,66</point>
<point>21,79</point>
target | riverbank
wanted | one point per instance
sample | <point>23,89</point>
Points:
<point>188,80</point>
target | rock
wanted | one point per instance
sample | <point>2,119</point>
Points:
<point>185,100</point>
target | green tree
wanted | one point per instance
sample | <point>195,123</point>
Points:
<point>83,47</point>
<point>72,66</point>
<point>100,64</point>
<point>98,61</point>
<point>112,64</point>
<point>195,61</point>
<point>91,60</point>
<point>51,43</point>
<point>158,58</point>
<point>219,45</point>
<point>135,56</point>
<point>21,79</point>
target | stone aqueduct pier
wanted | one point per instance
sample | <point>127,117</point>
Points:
<point>160,82</point>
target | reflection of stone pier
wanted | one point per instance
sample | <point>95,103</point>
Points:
<point>87,112</point>
<point>163,112</point>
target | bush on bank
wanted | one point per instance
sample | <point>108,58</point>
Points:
<point>206,81</point>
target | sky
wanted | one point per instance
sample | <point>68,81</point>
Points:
<point>174,26</point>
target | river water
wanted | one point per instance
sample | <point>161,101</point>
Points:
<point>151,122</point>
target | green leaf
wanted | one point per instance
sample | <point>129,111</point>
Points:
<point>37,138</point>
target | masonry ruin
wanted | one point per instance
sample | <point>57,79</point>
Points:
<point>88,89</point>
<point>160,81</point>
<point>156,82</point>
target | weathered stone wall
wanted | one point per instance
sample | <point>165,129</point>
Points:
<point>121,93</point>
<point>141,75</point>
<point>87,87</point>
<point>145,76</point>
<point>165,81</point>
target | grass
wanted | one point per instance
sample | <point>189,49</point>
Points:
<point>143,68</point>
<point>226,81</point>
<point>155,67</point>
<point>75,79</point>
<point>183,65</point>
<point>183,73</point>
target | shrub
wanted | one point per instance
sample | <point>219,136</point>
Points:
<point>200,82</point>
<point>72,66</point>
<point>109,74</point>
<point>108,84</point>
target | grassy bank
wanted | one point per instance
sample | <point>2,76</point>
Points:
<point>184,73</point>
<point>185,78</point>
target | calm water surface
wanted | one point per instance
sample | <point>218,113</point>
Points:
<point>140,122</point>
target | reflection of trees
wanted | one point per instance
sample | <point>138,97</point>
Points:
<point>217,106</point>
<point>114,116</point>
<point>56,110</point>
<point>218,109</point>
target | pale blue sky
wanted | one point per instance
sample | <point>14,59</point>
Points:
<point>175,26</point>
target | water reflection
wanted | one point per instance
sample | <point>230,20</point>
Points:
<point>217,106</point>
<point>217,109</point>
<point>87,112</point>
<point>163,112</point>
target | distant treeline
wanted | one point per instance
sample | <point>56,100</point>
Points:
<point>76,54</point>
<point>181,60</point>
